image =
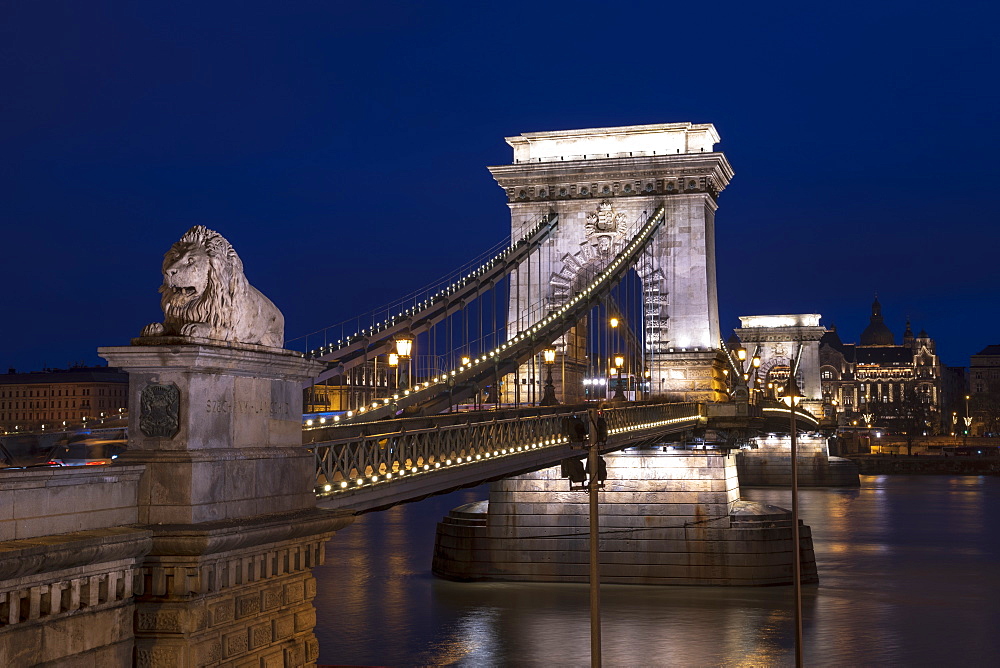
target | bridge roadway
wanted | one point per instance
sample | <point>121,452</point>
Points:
<point>367,467</point>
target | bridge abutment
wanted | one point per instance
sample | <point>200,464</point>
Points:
<point>70,554</point>
<point>227,494</point>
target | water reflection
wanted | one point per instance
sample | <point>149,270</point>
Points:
<point>906,578</point>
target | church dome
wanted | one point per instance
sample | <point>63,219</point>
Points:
<point>877,333</point>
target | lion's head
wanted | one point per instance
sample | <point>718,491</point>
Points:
<point>205,294</point>
<point>202,274</point>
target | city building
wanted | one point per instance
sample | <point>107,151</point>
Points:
<point>983,405</point>
<point>29,400</point>
<point>881,383</point>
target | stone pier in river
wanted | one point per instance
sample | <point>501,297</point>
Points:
<point>667,517</point>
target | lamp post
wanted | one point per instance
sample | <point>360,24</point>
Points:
<point>755,364</point>
<point>393,364</point>
<point>968,422</point>
<point>619,388</point>
<point>549,397</point>
<point>613,322</point>
<point>745,371</point>
<point>791,397</point>
<point>404,346</point>
<point>868,417</point>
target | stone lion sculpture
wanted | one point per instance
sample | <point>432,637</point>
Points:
<point>206,295</point>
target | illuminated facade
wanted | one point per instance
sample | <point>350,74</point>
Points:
<point>984,392</point>
<point>876,377</point>
<point>28,400</point>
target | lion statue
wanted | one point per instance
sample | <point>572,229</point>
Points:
<point>206,295</point>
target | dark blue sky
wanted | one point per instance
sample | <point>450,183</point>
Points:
<point>342,148</point>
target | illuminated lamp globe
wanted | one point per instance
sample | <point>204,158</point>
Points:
<point>404,345</point>
<point>549,355</point>
<point>792,395</point>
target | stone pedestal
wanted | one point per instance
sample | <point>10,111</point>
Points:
<point>665,517</point>
<point>228,495</point>
<point>688,375</point>
<point>236,447</point>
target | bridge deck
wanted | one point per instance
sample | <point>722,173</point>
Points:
<point>374,466</point>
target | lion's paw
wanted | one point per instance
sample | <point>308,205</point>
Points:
<point>199,330</point>
<point>153,329</point>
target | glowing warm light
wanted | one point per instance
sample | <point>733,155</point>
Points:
<point>404,346</point>
<point>613,322</point>
<point>549,355</point>
<point>792,395</point>
<point>465,360</point>
<point>393,359</point>
<point>619,361</point>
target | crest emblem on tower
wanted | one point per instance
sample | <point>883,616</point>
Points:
<point>605,227</point>
<point>606,221</point>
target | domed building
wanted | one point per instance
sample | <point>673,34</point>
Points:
<point>876,376</point>
<point>877,333</point>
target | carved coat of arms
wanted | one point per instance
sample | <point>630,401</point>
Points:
<point>159,410</point>
<point>606,226</point>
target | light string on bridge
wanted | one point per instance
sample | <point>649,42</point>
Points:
<point>452,288</point>
<point>406,448</point>
<point>529,335</point>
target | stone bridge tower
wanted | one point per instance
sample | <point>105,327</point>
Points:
<point>604,183</point>
<point>781,340</point>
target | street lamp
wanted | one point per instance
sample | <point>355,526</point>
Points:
<point>791,397</point>
<point>549,397</point>
<point>619,388</point>
<point>742,383</point>
<point>404,346</point>
<point>394,365</point>
<point>968,422</point>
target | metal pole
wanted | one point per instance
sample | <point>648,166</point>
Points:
<point>968,423</point>
<point>595,564</point>
<point>796,553</point>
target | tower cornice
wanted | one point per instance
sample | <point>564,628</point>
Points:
<point>636,175</point>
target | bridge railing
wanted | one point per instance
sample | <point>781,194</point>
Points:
<point>406,448</point>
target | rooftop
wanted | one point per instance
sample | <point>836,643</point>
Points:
<point>83,374</point>
<point>622,141</point>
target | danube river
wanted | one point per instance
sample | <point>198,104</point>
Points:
<point>909,572</point>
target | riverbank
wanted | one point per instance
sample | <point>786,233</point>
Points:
<point>926,465</point>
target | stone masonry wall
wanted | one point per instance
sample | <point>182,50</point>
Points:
<point>666,518</point>
<point>770,464</point>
